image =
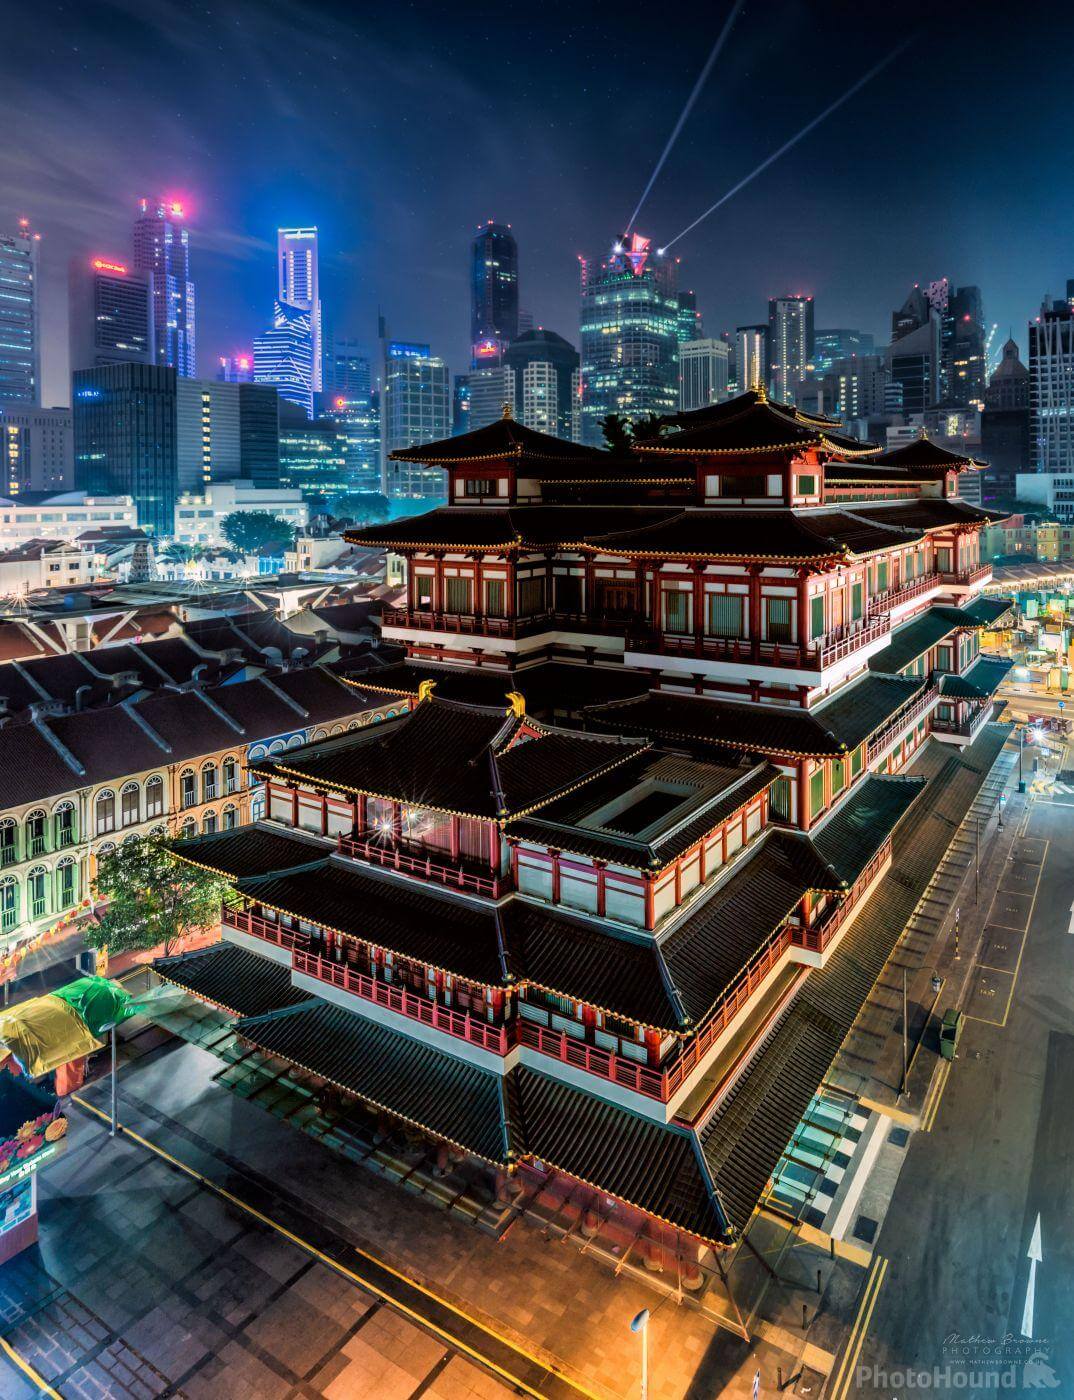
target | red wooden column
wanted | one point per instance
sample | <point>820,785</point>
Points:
<point>755,605</point>
<point>324,814</point>
<point>699,604</point>
<point>454,838</point>
<point>803,609</point>
<point>294,806</point>
<point>803,794</point>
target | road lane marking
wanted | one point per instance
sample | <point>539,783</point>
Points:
<point>28,1371</point>
<point>367,1285</point>
<point>934,1101</point>
<point>856,1340</point>
<point>1036,1256</point>
<point>1002,1022</point>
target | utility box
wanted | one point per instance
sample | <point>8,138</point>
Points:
<point>951,1032</point>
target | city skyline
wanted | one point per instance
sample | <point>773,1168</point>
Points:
<point>394,229</point>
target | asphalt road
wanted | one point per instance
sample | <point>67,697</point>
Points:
<point>999,1154</point>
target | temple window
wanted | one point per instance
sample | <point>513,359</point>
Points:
<point>677,611</point>
<point>778,619</point>
<point>479,486</point>
<point>458,595</point>
<point>724,615</point>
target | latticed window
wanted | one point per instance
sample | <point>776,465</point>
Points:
<point>531,596</point>
<point>154,797</point>
<point>857,606</point>
<point>9,841</point>
<point>129,804</point>
<point>816,792</point>
<point>816,616</point>
<point>779,619</point>
<point>36,892</point>
<point>64,824</point>
<point>35,834</point>
<point>9,904</point>
<point>724,617</point>
<point>779,802</point>
<point>495,597</point>
<point>458,595</point>
<point>677,611</point>
<point>105,809</point>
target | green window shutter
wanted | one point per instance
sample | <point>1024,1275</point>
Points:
<point>816,792</point>
<point>677,611</point>
<point>779,619</point>
<point>724,615</point>
<point>856,607</point>
<point>816,616</point>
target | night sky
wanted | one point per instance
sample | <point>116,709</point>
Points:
<point>396,128</point>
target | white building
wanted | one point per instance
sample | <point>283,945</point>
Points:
<point>38,564</point>
<point>63,516</point>
<point>704,372</point>
<point>1052,490</point>
<point>199,516</point>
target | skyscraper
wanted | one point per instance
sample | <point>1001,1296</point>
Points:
<point>415,407</point>
<point>839,344</point>
<point>125,438</point>
<point>351,371</point>
<point>35,449</point>
<point>162,247</point>
<point>913,356</point>
<point>790,344</point>
<point>493,288</point>
<point>299,286</point>
<point>691,326</point>
<point>226,432</point>
<point>1005,431</point>
<point>490,388</point>
<point>236,369</point>
<point>703,373</point>
<point>630,341</point>
<point>1051,387</point>
<point>547,383</point>
<point>751,357</point>
<point>110,314</point>
<point>20,316</point>
<point>963,333</point>
<point>283,355</point>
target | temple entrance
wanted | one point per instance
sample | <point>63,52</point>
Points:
<point>618,601</point>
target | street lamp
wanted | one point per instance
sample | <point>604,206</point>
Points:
<point>641,1324</point>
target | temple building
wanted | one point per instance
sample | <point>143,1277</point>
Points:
<point>589,908</point>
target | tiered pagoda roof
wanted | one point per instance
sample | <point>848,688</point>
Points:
<point>504,440</point>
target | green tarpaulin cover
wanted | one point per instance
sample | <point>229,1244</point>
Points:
<point>99,1002</point>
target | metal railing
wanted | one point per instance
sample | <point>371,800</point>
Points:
<point>245,921</point>
<point>966,577</point>
<point>903,720</point>
<point>815,655</point>
<point>911,588</point>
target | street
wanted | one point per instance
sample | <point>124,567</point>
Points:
<point>961,1225</point>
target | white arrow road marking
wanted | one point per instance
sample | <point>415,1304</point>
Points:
<point>1070,926</point>
<point>1036,1256</point>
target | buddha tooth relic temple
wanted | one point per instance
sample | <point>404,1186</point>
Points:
<point>588,905</point>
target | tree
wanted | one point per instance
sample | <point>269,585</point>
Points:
<point>616,432</point>
<point>648,429</point>
<point>362,508</point>
<point>248,530</point>
<point>153,898</point>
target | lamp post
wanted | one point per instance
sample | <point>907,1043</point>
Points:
<point>641,1324</point>
<point>1021,746</point>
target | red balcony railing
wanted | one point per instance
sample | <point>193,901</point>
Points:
<point>498,1039</point>
<point>457,876</point>
<point>605,1064</point>
<point>904,592</point>
<point>481,625</point>
<point>902,721</point>
<point>968,728</point>
<point>814,656</point>
<point>967,577</point>
<point>245,921</point>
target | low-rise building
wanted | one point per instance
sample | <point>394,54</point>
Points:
<point>40,564</point>
<point>35,515</point>
<point>199,516</point>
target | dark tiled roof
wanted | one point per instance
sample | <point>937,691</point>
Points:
<point>759,426</point>
<point>924,453</point>
<point>549,685</point>
<point>450,1097</point>
<point>245,851</point>
<point>759,534</point>
<point>980,681</point>
<point>916,637</point>
<point>698,723</point>
<point>32,767</point>
<point>863,821</point>
<point>861,708</point>
<point>453,757</point>
<point>175,657</point>
<point>563,823</point>
<point>408,918</point>
<point>925,513</point>
<point>706,953</point>
<point>644,1163</point>
<point>243,983</point>
<point>988,610</point>
<point>482,529</point>
<point>506,438</point>
<point>508,528</point>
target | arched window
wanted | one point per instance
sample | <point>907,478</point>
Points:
<point>105,809</point>
<point>154,796</point>
<point>9,904</point>
<point>277,746</point>
<point>232,776</point>
<point>188,788</point>
<point>208,823</point>
<point>63,825</point>
<point>35,833</point>
<point>231,817</point>
<point>66,883</point>
<point>105,849</point>
<point>158,831</point>
<point>296,741</point>
<point>9,841</point>
<point>188,829</point>
<point>37,892</point>
<point>257,806</point>
<point>130,804</point>
<point>209,789</point>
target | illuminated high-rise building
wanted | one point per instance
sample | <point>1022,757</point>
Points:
<point>162,247</point>
<point>790,344</point>
<point>703,373</point>
<point>124,419</point>
<point>547,383</point>
<point>226,432</point>
<point>20,316</point>
<point>751,357</point>
<point>493,291</point>
<point>691,326</point>
<point>36,451</point>
<point>415,408</point>
<point>299,286</point>
<point>1051,387</point>
<point>110,313</point>
<point>630,335</point>
<point>283,355</point>
<point>964,373</point>
<point>236,369</point>
<point>831,346</point>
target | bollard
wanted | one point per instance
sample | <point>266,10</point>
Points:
<point>831,1246</point>
<point>818,1280</point>
<point>805,1324</point>
<point>779,1377</point>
